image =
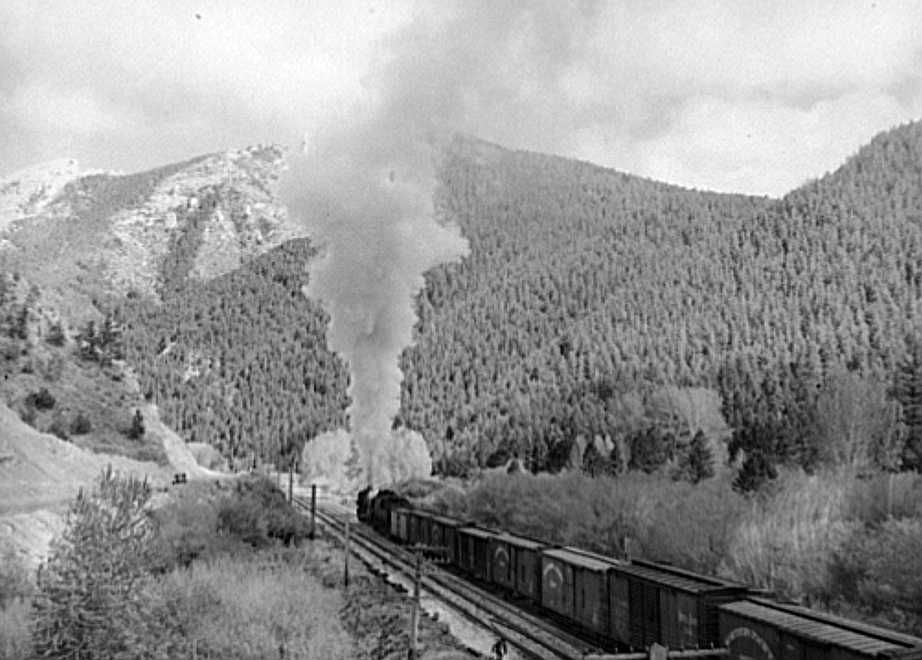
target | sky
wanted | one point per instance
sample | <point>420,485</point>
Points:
<point>741,96</point>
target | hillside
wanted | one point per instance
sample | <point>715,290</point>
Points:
<point>90,234</point>
<point>595,306</point>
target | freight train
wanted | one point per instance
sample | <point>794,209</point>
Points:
<point>629,605</point>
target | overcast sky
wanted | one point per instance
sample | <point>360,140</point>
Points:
<point>741,96</point>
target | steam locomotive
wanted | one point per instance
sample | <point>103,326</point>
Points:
<point>629,605</point>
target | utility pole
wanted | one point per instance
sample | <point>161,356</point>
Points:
<point>346,558</point>
<point>414,623</point>
<point>291,481</point>
<point>313,511</point>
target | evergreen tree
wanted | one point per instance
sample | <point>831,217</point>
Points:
<point>908,392</point>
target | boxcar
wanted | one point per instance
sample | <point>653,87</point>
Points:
<point>515,564</point>
<point>403,524</point>
<point>652,602</point>
<point>414,528</point>
<point>761,629</point>
<point>473,551</point>
<point>443,533</point>
<point>574,584</point>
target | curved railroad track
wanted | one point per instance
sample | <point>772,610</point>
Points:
<point>530,635</point>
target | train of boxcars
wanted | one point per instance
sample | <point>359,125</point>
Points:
<point>633,604</point>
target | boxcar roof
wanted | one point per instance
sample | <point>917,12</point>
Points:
<point>811,629</point>
<point>678,579</point>
<point>898,638</point>
<point>476,531</point>
<point>578,559</point>
<point>445,520</point>
<point>521,541</point>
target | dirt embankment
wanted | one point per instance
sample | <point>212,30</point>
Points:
<point>40,474</point>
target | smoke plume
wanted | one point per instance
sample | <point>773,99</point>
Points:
<point>365,181</point>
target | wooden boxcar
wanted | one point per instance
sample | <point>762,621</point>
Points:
<point>393,524</point>
<point>652,602</point>
<point>473,551</point>
<point>515,563</point>
<point>402,517</point>
<point>443,534</point>
<point>574,584</point>
<point>415,527</point>
<point>762,629</point>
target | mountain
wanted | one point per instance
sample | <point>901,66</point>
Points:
<point>92,234</point>
<point>596,309</point>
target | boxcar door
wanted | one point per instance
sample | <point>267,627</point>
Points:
<point>651,615</point>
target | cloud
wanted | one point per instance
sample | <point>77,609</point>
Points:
<point>652,87</point>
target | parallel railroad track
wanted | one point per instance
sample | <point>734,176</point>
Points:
<point>531,636</point>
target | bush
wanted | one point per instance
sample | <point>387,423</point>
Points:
<point>56,335</point>
<point>136,430</point>
<point>881,566</point>
<point>188,531</point>
<point>41,400</point>
<point>59,428</point>
<point>90,600</point>
<point>15,582</point>
<point>255,607</point>
<point>259,514</point>
<point>15,636</point>
<point>676,521</point>
<point>80,425</point>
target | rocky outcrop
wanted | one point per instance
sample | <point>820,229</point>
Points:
<point>146,232</point>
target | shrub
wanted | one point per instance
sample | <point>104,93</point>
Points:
<point>136,430</point>
<point>15,636</point>
<point>188,531</point>
<point>259,514</point>
<point>882,566</point>
<point>786,540</point>
<point>80,425</point>
<point>59,428</point>
<point>56,335</point>
<point>41,400</point>
<point>90,601</point>
<point>15,582</point>
<point>254,608</point>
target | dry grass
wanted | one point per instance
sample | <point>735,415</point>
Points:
<point>246,608</point>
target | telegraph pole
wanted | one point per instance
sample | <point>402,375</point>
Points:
<point>291,481</point>
<point>346,558</point>
<point>313,511</point>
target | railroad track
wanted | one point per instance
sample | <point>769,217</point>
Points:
<point>530,635</point>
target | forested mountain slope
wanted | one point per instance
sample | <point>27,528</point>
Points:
<point>587,294</point>
<point>582,278</point>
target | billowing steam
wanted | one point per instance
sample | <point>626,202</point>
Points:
<point>366,194</point>
<point>364,183</point>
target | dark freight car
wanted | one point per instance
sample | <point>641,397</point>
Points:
<point>382,506</point>
<point>515,564</point>
<point>760,629</point>
<point>443,534</point>
<point>667,605</point>
<point>474,551</point>
<point>402,517</point>
<point>415,528</point>
<point>574,584</point>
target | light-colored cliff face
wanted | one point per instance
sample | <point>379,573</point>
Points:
<point>29,191</point>
<point>146,232</point>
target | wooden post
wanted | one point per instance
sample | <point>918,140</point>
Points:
<point>313,510</point>
<point>346,558</point>
<point>291,482</point>
<point>414,623</point>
